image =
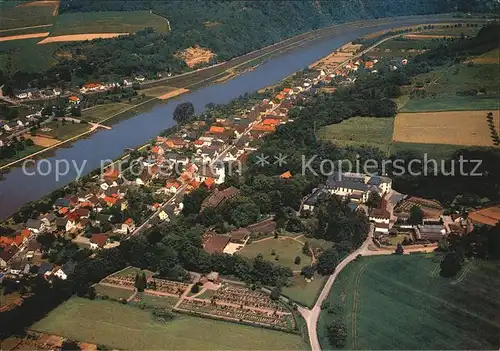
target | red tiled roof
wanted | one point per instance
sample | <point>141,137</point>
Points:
<point>25,233</point>
<point>99,239</point>
<point>209,182</point>
<point>286,175</point>
<point>173,184</point>
<point>216,243</point>
<point>129,221</point>
<point>263,128</point>
<point>216,129</point>
<point>111,173</point>
<point>110,200</point>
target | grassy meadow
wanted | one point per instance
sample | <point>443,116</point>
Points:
<point>113,292</point>
<point>107,22</point>
<point>444,89</point>
<point>15,15</point>
<point>102,112</point>
<point>304,292</point>
<point>128,327</point>
<point>401,302</point>
<point>285,249</point>
<point>360,131</point>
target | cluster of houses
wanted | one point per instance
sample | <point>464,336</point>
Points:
<point>38,94</point>
<point>174,166</point>
<point>392,215</point>
<point>18,126</point>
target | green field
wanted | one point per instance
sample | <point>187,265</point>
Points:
<point>12,17</point>
<point>442,89</point>
<point>157,91</point>
<point>452,103</point>
<point>401,302</point>
<point>101,112</point>
<point>436,151</point>
<point>407,44</point>
<point>107,22</point>
<point>62,131</point>
<point>303,292</point>
<point>360,131</point>
<point>113,292</point>
<point>157,301</point>
<point>128,327</point>
<point>469,31</point>
<point>286,249</point>
<point>25,55</point>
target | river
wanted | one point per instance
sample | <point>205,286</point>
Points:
<point>19,188</point>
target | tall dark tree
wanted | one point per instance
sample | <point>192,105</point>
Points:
<point>183,112</point>
<point>416,215</point>
<point>450,265</point>
<point>337,334</point>
<point>374,200</point>
<point>328,261</point>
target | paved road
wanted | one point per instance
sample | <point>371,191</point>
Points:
<point>312,316</point>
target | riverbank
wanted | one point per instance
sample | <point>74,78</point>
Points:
<point>19,188</point>
<point>224,71</point>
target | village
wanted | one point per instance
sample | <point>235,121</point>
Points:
<point>194,156</point>
<point>120,203</point>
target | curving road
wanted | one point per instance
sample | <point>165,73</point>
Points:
<point>312,316</point>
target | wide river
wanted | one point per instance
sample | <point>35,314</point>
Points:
<point>18,187</point>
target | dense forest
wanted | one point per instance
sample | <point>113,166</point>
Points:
<point>227,28</point>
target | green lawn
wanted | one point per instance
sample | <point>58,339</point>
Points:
<point>64,131</point>
<point>113,292</point>
<point>401,302</point>
<point>286,249</point>
<point>128,327</point>
<point>101,112</point>
<point>107,22</point>
<point>303,292</point>
<point>157,301</point>
<point>207,294</point>
<point>157,91</point>
<point>360,131</point>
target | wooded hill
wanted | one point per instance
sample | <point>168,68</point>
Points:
<point>227,28</point>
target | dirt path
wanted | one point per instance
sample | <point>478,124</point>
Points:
<point>312,316</point>
<point>24,36</point>
<point>80,37</point>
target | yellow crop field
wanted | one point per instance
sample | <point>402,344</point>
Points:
<point>468,128</point>
<point>80,37</point>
